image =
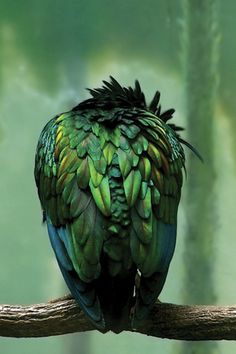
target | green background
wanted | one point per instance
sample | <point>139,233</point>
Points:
<point>49,52</point>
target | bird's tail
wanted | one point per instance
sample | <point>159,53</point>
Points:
<point>116,299</point>
<point>147,294</point>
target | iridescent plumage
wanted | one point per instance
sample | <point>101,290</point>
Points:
<point>109,177</point>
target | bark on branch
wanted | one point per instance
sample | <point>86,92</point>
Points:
<point>166,321</point>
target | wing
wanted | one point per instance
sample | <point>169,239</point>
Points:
<point>83,207</point>
<point>69,169</point>
<point>151,162</point>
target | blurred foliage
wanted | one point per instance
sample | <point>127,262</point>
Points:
<point>49,51</point>
<point>201,82</point>
<point>66,36</point>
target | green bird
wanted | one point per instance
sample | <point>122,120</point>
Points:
<point>109,178</point>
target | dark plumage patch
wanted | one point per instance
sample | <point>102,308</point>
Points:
<point>112,95</point>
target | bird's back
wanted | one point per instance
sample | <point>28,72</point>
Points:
<point>109,180</point>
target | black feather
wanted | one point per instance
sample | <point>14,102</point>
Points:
<point>112,95</point>
<point>191,148</point>
<point>154,103</point>
<point>165,116</point>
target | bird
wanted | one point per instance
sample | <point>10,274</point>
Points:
<point>109,174</point>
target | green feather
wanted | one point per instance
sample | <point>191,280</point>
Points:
<point>108,152</point>
<point>79,202</point>
<point>101,195</point>
<point>114,136</point>
<point>148,122</point>
<point>92,250</point>
<point>96,128</point>
<point>145,168</point>
<point>155,196</point>
<point>83,174</point>
<point>114,268</point>
<point>162,205</point>
<point>70,163</point>
<point>143,190</point>
<point>132,185</point>
<point>82,148</point>
<point>157,178</point>
<point>95,176</point>
<point>138,249</point>
<point>94,149</point>
<point>51,209</point>
<point>63,152</point>
<point>137,147</point>
<point>100,165</point>
<point>61,117</point>
<point>150,261</point>
<point>62,181</point>
<point>130,131</point>
<point>133,158</point>
<point>114,249</point>
<point>144,206</point>
<point>87,127</point>
<point>167,210</point>
<point>64,143</point>
<point>124,143</point>
<point>154,154</point>
<point>60,215</point>
<point>47,170</point>
<point>153,134</point>
<point>124,163</point>
<point>79,123</point>
<point>74,141</point>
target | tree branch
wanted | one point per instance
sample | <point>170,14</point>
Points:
<point>63,316</point>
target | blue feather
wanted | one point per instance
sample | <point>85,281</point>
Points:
<point>58,247</point>
<point>166,240</point>
<point>84,293</point>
